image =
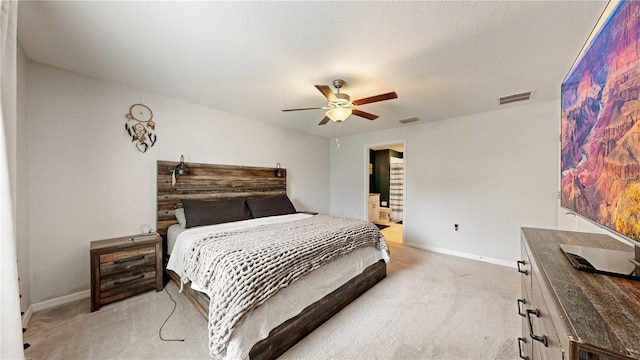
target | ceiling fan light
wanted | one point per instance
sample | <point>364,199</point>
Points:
<point>338,114</point>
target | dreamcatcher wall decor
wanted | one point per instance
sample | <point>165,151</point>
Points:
<point>140,127</point>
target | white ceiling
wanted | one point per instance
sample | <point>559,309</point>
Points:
<point>444,59</point>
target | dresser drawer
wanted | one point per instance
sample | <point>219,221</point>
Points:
<point>127,260</point>
<point>539,316</point>
<point>524,266</point>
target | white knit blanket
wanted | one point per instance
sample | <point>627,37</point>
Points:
<point>242,269</point>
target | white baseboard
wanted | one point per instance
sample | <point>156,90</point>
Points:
<point>52,303</point>
<point>501,262</point>
<point>27,316</point>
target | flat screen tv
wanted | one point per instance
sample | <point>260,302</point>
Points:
<point>600,134</point>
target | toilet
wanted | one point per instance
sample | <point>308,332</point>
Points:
<point>385,214</point>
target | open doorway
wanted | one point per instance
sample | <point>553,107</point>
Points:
<point>385,188</point>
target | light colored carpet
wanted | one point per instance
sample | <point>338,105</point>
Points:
<point>430,306</point>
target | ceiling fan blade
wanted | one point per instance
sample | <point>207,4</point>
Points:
<point>382,97</point>
<point>313,108</point>
<point>363,114</point>
<point>326,91</point>
<point>324,121</point>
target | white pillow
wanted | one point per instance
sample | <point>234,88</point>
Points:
<point>182,220</point>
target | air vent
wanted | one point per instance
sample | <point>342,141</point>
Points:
<point>516,97</point>
<point>409,120</point>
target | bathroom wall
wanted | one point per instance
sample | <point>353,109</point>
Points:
<point>379,179</point>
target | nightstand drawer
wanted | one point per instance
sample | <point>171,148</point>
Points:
<point>125,287</point>
<point>128,278</point>
<point>127,260</point>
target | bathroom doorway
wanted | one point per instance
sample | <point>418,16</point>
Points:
<point>385,188</point>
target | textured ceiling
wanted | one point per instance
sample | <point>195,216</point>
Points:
<point>444,59</point>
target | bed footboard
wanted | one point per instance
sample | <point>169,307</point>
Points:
<point>295,329</point>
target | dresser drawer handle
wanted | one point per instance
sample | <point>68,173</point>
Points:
<point>524,302</point>
<point>137,277</point>
<point>526,272</point>
<point>520,341</point>
<point>543,338</point>
<point>135,258</point>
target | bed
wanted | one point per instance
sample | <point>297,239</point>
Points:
<point>274,323</point>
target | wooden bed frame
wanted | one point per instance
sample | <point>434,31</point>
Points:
<point>219,182</point>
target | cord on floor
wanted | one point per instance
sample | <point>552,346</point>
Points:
<point>172,311</point>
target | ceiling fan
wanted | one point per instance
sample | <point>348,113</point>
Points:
<point>339,105</point>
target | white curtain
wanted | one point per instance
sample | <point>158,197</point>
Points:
<point>11,346</point>
<point>396,187</point>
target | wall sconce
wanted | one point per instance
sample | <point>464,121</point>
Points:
<point>181,169</point>
<point>278,172</point>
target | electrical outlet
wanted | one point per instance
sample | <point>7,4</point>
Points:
<point>455,227</point>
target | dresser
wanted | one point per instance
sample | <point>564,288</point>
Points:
<point>572,314</point>
<point>125,266</point>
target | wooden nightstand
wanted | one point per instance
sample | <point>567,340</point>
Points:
<point>124,267</point>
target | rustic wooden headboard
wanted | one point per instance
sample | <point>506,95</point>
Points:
<point>211,182</point>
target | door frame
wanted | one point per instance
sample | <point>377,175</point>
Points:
<point>367,160</point>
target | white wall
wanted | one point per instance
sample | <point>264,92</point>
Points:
<point>568,220</point>
<point>88,182</point>
<point>491,173</point>
<point>22,189</point>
